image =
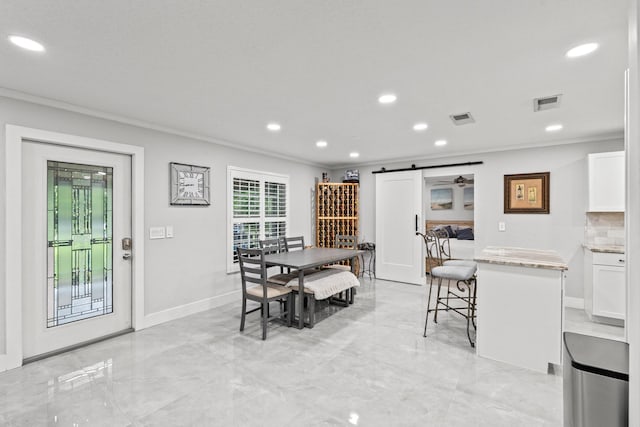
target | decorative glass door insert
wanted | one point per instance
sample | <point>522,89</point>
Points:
<point>80,238</point>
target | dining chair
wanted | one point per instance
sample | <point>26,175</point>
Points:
<point>294,243</point>
<point>253,270</point>
<point>274,246</point>
<point>461,284</point>
<point>344,241</point>
<point>297,244</point>
<point>347,241</point>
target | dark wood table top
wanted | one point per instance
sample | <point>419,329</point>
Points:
<point>311,257</point>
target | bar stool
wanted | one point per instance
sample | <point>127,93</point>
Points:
<point>460,272</point>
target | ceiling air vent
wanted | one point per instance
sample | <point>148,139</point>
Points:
<point>546,102</point>
<point>462,119</point>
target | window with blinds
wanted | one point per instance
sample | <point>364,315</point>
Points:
<point>258,209</point>
<point>246,198</point>
<point>275,199</point>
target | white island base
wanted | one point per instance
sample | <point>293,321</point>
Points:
<point>520,307</point>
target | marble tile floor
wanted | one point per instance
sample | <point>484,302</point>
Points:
<point>365,365</point>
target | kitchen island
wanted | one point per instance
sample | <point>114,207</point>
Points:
<point>520,308</point>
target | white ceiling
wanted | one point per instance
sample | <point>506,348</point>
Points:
<point>223,69</point>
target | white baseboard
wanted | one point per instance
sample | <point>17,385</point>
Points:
<point>188,309</point>
<point>573,302</point>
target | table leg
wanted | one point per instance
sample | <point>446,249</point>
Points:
<point>372,255</point>
<point>351,292</point>
<point>300,299</point>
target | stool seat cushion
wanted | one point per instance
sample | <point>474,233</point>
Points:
<point>454,272</point>
<point>459,262</point>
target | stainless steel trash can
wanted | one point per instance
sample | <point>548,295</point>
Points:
<point>595,381</point>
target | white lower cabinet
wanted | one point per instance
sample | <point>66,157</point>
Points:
<point>605,289</point>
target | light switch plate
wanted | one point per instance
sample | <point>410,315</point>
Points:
<point>156,233</point>
<point>502,226</point>
<point>169,232</point>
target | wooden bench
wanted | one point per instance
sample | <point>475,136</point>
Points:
<point>325,284</point>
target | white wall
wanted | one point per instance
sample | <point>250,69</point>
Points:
<point>562,230</point>
<point>191,267</point>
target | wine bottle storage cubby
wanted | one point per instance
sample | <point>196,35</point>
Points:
<point>336,212</point>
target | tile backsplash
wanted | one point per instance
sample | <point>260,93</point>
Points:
<point>604,228</point>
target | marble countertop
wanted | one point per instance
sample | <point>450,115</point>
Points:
<point>522,257</point>
<point>612,249</point>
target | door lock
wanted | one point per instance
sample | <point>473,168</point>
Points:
<point>126,244</point>
<point>126,256</point>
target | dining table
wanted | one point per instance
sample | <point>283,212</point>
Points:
<point>309,258</point>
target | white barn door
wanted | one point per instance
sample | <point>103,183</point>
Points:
<point>398,217</point>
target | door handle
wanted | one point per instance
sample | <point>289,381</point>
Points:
<point>126,256</point>
<point>416,223</point>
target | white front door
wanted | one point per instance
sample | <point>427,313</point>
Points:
<point>398,217</point>
<point>76,275</point>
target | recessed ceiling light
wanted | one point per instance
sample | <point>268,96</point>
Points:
<point>354,154</point>
<point>553,128</point>
<point>583,49</point>
<point>440,143</point>
<point>388,98</point>
<point>274,127</point>
<point>26,43</point>
<point>321,144</point>
<point>420,127</point>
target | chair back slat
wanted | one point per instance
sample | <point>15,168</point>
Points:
<point>294,243</point>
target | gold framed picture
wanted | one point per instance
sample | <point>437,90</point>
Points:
<point>526,193</point>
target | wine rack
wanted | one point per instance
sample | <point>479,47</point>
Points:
<point>336,212</point>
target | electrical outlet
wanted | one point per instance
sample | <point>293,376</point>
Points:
<point>502,226</point>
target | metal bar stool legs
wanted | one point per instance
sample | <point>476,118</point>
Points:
<point>429,309</point>
<point>468,311</point>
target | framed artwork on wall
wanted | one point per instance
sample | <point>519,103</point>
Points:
<point>467,198</point>
<point>189,184</point>
<point>527,193</point>
<point>441,199</point>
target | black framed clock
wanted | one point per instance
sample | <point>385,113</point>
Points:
<point>189,184</point>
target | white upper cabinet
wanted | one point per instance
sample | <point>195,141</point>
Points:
<point>606,182</point>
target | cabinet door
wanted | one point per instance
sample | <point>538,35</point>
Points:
<point>606,182</point>
<point>609,294</point>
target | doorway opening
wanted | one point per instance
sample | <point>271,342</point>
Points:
<point>449,204</point>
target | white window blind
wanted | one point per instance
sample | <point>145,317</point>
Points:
<point>258,209</point>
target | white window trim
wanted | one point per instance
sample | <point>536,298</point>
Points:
<point>233,172</point>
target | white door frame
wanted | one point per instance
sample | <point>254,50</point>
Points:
<point>13,228</point>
